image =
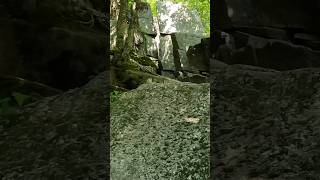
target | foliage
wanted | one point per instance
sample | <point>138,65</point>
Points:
<point>16,99</point>
<point>20,98</point>
<point>115,95</point>
<point>9,106</point>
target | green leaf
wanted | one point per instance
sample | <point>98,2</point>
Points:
<point>115,95</point>
<point>20,98</point>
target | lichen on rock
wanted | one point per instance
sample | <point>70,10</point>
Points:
<point>153,137</point>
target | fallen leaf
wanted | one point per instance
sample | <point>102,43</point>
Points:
<point>192,120</point>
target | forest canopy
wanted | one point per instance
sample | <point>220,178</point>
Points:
<point>202,7</point>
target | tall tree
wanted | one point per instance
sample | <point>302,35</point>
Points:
<point>122,26</point>
<point>128,32</point>
<point>133,31</point>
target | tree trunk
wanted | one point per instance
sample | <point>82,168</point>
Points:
<point>121,26</point>
<point>133,29</point>
<point>114,9</point>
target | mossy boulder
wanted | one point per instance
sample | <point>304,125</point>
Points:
<point>161,131</point>
<point>131,78</point>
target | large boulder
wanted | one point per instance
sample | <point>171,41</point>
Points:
<point>198,56</point>
<point>265,124</point>
<point>161,131</point>
<point>184,42</point>
<point>59,137</point>
<point>166,53</point>
<point>183,51</point>
<point>152,46</point>
<point>60,43</point>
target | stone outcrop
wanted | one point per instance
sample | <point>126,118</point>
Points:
<point>180,29</point>
<point>168,36</point>
<point>262,34</point>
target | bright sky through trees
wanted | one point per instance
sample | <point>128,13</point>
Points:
<point>202,6</point>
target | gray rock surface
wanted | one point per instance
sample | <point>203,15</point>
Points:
<point>185,40</point>
<point>166,53</point>
<point>265,124</point>
<point>180,51</point>
<point>146,19</point>
<point>161,131</point>
<point>152,46</point>
<point>58,137</point>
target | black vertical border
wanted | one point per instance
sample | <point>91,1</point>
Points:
<point>107,43</point>
<point>211,138</point>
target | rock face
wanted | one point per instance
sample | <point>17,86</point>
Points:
<point>265,103</point>
<point>265,123</point>
<point>58,137</point>
<point>168,36</point>
<point>262,34</point>
<point>162,133</point>
<point>166,53</point>
<point>51,43</point>
<point>185,29</point>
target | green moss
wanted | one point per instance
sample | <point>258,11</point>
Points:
<point>145,61</point>
<point>115,95</point>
